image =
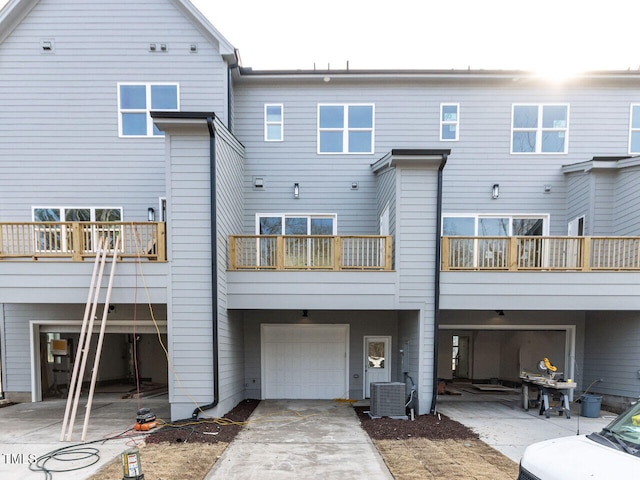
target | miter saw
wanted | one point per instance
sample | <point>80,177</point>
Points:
<point>545,366</point>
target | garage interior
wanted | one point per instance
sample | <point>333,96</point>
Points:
<point>490,361</point>
<point>130,364</point>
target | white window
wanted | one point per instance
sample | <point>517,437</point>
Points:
<point>273,123</point>
<point>296,224</point>
<point>634,129</point>
<point>345,128</point>
<point>56,238</point>
<point>137,100</point>
<point>539,128</point>
<point>307,241</point>
<point>449,120</point>
<point>77,214</point>
<point>471,225</point>
<point>490,246</point>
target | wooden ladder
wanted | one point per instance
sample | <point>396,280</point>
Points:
<point>84,342</point>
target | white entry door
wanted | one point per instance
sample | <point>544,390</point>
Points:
<point>377,361</point>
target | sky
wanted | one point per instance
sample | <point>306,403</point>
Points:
<point>548,36</point>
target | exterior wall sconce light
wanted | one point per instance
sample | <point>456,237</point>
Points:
<point>495,191</point>
<point>151,214</point>
<point>305,313</point>
<point>296,190</point>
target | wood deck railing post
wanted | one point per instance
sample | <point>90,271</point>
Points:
<point>337,253</point>
<point>388,257</point>
<point>513,253</point>
<point>280,253</point>
<point>445,264</point>
<point>162,242</point>
<point>232,253</point>
<point>586,254</point>
<point>77,242</point>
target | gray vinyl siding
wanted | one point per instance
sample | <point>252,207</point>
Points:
<point>626,219</point>
<point>229,182</point>
<point>16,358</point>
<point>409,339</point>
<point>579,198</point>
<point>68,282</point>
<point>312,290</point>
<point>190,298</point>
<point>539,291</point>
<point>612,342</point>
<point>407,116</point>
<point>415,234</point>
<point>59,115</point>
<point>415,262</point>
<point>603,203</point>
<point>387,196</point>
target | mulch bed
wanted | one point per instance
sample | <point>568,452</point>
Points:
<point>432,427</point>
<point>206,430</point>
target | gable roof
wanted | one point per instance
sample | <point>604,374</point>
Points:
<point>14,11</point>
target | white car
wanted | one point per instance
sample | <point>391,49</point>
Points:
<point>611,454</point>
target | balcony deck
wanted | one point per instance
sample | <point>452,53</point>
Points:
<point>527,254</point>
<point>77,241</point>
<point>310,252</point>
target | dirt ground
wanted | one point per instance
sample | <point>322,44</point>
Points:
<point>431,447</point>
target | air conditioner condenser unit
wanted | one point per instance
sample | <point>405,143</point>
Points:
<point>388,400</point>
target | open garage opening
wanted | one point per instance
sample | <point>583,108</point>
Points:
<point>481,360</point>
<point>132,362</point>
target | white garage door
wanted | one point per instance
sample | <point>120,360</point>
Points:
<point>304,361</point>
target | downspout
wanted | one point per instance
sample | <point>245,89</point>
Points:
<point>214,270</point>
<point>229,100</point>
<point>436,287</point>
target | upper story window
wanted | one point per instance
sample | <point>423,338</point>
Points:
<point>449,120</point>
<point>345,128</point>
<point>77,214</point>
<point>494,225</point>
<point>540,128</point>
<point>273,123</point>
<point>634,129</point>
<point>137,100</point>
<point>56,238</point>
<point>296,224</point>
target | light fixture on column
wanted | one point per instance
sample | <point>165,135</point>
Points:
<point>151,214</point>
<point>495,191</point>
<point>296,190</point>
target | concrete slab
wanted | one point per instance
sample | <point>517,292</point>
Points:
<point>293,439</point>
<point>31,430</point>
<point>508,428</point>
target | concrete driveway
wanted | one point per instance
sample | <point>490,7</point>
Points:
<point>294,439</point>
<point>286,439</point>
<point>30,430</point>
<point>503,424</point>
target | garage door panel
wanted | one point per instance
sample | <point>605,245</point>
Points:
<point>304,361</point>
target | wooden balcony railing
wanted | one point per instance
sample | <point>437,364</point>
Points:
<point>309,252</point>
<point>78,240</point>
<point>582,254</point>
